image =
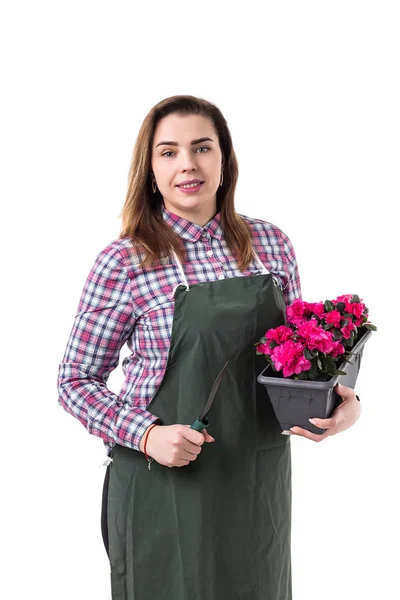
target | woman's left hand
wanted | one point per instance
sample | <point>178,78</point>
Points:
<point>343,417</point>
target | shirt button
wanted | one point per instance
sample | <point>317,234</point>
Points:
<point>209,252</point>
<point>221,276</point>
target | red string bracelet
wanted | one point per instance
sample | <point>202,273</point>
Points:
<point>150,460</point>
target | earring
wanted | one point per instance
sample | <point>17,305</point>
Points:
<point>222,179</point>
<point>154,186</point>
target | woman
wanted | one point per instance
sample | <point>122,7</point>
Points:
<point>188,285</point>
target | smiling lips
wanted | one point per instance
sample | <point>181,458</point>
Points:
<point>190,183</point>
<point>191,186</point>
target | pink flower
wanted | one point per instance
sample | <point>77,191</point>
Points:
<point>298,309</point>
<point>333,317</point>
<point>337,350</point>
<point>264,348</point>
<point>296,321</point>
<point>359,321</point>
<point>289,356</point>
<point>347,329</point>
<point>315,336</point>
<point>324,345</point>
<point>317,308</point>
<point>345,298</point>
<point>357,309</point>
<point>279,334</point>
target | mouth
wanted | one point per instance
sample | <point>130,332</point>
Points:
<point>190,186</point>
<point>189,182</point>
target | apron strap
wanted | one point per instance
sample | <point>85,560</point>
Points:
<point>275,279</point>
<point>182,272</point>
<point>186,283</point>
<point>260,263</point>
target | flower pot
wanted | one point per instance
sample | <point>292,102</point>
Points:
<point>295,401</point>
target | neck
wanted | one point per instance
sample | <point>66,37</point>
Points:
<point>200,217</point>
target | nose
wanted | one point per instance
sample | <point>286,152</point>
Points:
<point>188,161</point>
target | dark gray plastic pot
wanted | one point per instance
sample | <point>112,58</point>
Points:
<point>295,401</point>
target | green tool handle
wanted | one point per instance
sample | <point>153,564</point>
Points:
<point>199,424</point>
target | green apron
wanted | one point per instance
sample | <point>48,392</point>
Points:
<point>220,527</point>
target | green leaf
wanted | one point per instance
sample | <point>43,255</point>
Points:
<point>370,326</point>
<point>313,373</point>
<point>308,355</point>
<point>324,376</point>
<point>330,364</point>
<point>319,364</point>
<point>339,372</point>
<point>347,359</point>
<point>263,340</point>
<point>273,344</point>
<point>303,375</point>
<point>355,298</point>
<point>337,334</point>
<point>340,306</point>
<point>328,306</point>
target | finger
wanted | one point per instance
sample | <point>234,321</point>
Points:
<point>193,436</point>
<point>190,453</point>
<point>207,436</point>
<point>324,423</point>
<point>343,390</point>
<point>307,434</point>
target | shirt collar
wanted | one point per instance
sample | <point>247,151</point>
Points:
<point>191,231</point>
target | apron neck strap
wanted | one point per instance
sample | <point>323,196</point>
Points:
<point>182,272</point>
<point>259,262</point>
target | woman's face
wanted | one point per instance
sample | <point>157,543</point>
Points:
<point>186,148</point>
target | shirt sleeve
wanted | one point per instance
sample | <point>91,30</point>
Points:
<point>104,322</point>
<point>292,287</point>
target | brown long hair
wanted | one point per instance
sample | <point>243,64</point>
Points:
<point>142,211</point>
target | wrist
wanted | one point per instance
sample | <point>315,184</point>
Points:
<point>147,432</point>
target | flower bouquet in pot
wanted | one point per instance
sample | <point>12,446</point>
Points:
<point>320,344</point>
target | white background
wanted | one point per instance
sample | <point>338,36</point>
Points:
<point>310,91</point>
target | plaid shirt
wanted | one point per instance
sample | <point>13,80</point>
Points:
<point>121,302</point>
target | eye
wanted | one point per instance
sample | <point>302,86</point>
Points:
<point>203,148</point>
<point>169,153</point>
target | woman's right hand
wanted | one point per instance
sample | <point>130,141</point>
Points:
<point>175,445</point>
